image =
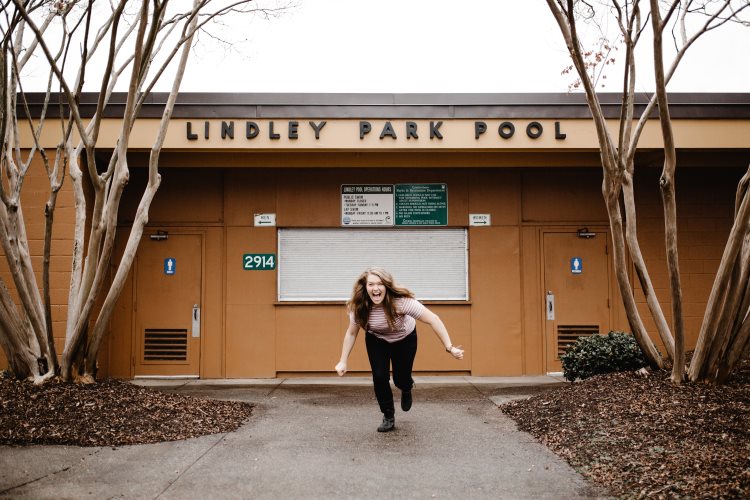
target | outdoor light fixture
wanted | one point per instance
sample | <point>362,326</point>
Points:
<point>585,233</point>
<point>160,235</point>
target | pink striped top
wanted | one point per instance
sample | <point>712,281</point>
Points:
<point>407,311</point>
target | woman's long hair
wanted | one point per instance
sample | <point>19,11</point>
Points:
<point>360,303</point>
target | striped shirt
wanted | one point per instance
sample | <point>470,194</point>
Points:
<point>407,311</point>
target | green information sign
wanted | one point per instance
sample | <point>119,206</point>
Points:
<point>259,261</point>
<point>421,204</point>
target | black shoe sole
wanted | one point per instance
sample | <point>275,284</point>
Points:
<point>389,428</point>
<point>406,401</point>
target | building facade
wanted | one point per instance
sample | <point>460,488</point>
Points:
<point>488,207</point>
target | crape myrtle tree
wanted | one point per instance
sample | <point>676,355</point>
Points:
<point>725,330</point>
<point>130,42</point>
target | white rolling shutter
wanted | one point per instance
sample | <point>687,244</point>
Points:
<point>322,264</point>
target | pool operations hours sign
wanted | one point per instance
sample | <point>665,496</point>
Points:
<point>394,204</point>
<point>367,205</point>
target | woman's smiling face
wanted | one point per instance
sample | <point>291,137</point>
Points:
<point>375,288</point>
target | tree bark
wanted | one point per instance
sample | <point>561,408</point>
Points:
<point>631,309</point>
<point>699,366</point>
<point>641,270</point>
<point>666,184</point>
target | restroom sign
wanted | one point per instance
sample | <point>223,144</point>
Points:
<point>576,265</point>
<point>480,220</point>
<point>170,265</point>
<point>267,220</point>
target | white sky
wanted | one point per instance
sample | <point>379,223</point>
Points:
<point>422,46</point>
<point>428,46</point>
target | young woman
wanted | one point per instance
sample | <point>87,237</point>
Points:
<point>387,313</point>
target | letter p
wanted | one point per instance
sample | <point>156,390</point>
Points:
<point>364,129</point>
<point>479,129</point>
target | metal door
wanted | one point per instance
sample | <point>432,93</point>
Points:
<point>576,286</point>
<point>168,305</point>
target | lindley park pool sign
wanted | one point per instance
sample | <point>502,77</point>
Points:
<point>383,130</point>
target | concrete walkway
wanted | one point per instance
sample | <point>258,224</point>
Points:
<point>316,438</point>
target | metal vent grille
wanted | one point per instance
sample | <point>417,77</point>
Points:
<point>568,334</point>
<point>165,345</point>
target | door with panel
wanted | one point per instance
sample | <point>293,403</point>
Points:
<point>167,306</point>
<point>577,290</point>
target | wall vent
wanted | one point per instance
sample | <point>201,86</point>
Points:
<point>568,334</point>
<point>165,344</point>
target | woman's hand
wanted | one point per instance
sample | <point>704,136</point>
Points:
<point>457,352</point>
<point>341,367</point>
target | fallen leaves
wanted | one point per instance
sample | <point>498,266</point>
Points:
<point>645,437</point>
<point>108,413</point>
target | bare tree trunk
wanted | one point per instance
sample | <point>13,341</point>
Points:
<point>102,322</point>
<point>631,309</point>
<point>105,212</point>
<point>49,213</point>
<point>23,277</point>
<point>666,183</point>
<point>141,219</point>
<point>700,369</point>
<point>14,333</point>
<point>76,269</point>
<point>739,348</point>
<point>151,37</point>
<point>720,351</point>
<point>613,178</point>
<point>727,354</point>
<point>641,270</point>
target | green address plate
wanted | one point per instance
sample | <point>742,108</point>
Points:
<point>259,261</point>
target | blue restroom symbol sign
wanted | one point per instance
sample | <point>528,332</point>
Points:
<point>170,265</point>
<point>576,265</point>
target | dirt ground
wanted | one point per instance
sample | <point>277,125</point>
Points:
<point>644,437</point>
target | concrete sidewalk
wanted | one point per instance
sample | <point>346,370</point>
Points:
<point>316,438</point>
<point>528,380</point>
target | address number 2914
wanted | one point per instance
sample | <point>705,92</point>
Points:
<point>259,262</point>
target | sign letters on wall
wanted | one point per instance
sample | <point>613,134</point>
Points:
<point>385,130</point>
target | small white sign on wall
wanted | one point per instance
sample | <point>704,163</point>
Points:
<point>367,205</point>
<point>479,220</point>
<point>265,220</point>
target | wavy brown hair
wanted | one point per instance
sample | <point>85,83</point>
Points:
<point>360,303</point>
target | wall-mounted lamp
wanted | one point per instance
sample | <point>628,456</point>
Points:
<point>585,233</point>
<point>160,235</point>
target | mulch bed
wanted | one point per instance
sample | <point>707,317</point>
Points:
<point>108,413</point>
<point>643,437</point>
<point>636,436</point>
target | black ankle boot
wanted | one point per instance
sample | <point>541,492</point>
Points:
<point>405,400</point>
<point>388,424</point>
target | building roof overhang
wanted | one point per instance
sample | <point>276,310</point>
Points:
<point>410,106</point>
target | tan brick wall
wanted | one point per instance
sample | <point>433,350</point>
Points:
<point>520,201</point>
<point>34,196</point>
<point>705,207</point>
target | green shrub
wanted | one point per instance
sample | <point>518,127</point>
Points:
<point>598,354</point>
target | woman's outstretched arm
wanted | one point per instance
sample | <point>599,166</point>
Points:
<point>349,337</point>
<point>437,325</point>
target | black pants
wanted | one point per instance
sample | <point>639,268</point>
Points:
<point>382,354</point>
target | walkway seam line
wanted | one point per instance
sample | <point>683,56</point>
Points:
<point>223,436</point>
<point>477,389</point>
<point>2,492</point>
